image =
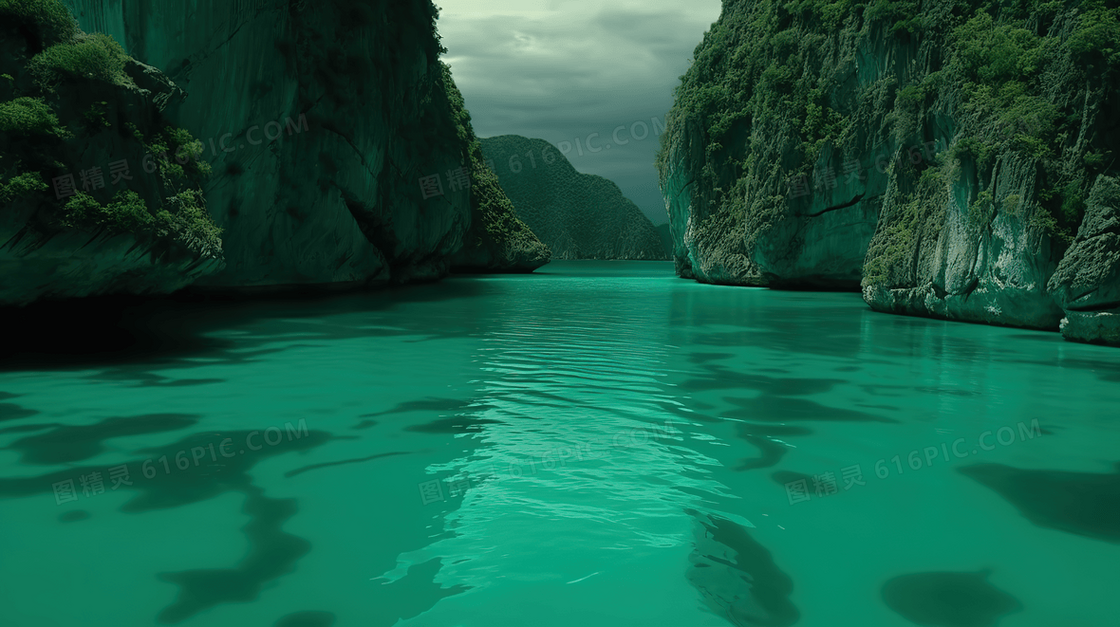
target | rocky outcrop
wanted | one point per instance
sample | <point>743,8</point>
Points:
<point>929,154</point>
<point>85,206</point>
<point>335,153</point>
<point>322,122</point>
<point>1087,282</point>
<point>498,241</point>
<point>579,216</point>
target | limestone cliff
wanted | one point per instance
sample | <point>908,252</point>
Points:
<point>936,155</point>
<point>328,125</point>
<point>579,216</point>
<point>1087,282</point>
<point>86,205</point>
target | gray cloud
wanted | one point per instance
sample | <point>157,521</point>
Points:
<point>565,69</point>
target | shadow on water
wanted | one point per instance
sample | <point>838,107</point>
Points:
<point>12,411</point>
<point>782,477</point>
<point>722,378</point>
<point>411,595</point>
<point>779,400</point>
<point>147,379</point>
<point>770,450</point>
<point>137,340</point>
<point>1080,503</point>
<point>216,470</point>
<point>774,402</point>
<point>782,409</point>
<point>949,599</point>
<point>73,516</point>
<point>134,335</point>
<point>224,470</point>
<point>29,428</point>
<point>425,405</point>
<point>462,420</point>
<point>703,358</point>
<point>455,424</point>
<point>737,576</point>
<point>64,444</point>
<point>272,554</point>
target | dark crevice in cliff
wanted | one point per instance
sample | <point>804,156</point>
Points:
<point>330,127</point>
<point>687,185</point>
<point>1108,306</point>
<point>971,287</point>
<point>182,74</point>
<point>851,202</point>
<point>376,230</point>
<point>1113,229</point>
<point>808,283</point>
<point>308,108</point>
<point>915,258</point>
<point>1095,306</point>
<point>1083,295</point>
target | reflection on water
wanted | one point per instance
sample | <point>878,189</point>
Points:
<point>597,444</point>
<point>578,473</point>
<point>738,576</point>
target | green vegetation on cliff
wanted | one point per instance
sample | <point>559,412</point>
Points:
<point>20,186</point>
<point>65,90</point>
<point>30,116</point>
<point>950,147</point>
<point>761,64</point>
<point>48,21</point>
<point>94,56</point>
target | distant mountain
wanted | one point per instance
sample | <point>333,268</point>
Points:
<point>579,216</point>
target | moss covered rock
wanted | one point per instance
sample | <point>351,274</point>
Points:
<point>1087,282</point>
<point>85,206</point>
<point>1088,278</point>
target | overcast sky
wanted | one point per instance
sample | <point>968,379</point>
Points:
<point>563,70</point>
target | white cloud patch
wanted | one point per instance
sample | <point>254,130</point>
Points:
<point>565,69</point>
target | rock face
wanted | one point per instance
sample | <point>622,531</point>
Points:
<point>1087,282</point>
<point>579,216</point>
<point>931,155</point>
<point>328,125</point>
<point>84,207</point>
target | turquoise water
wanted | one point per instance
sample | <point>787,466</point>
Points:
<point>598,444</point>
